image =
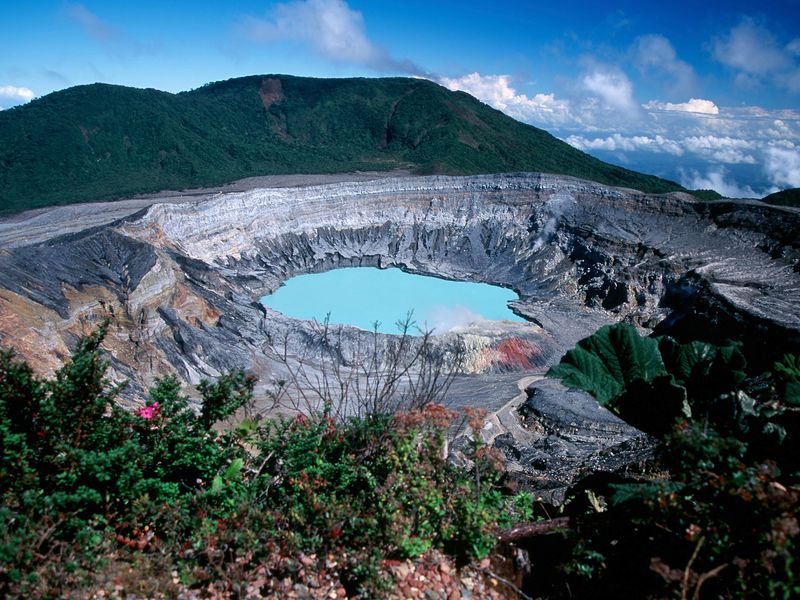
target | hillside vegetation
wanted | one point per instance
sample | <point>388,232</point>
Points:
<point>99,142</point>
<point>167,501</point>
<point>790,197</point>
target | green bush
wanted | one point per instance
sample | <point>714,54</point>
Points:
<point>85,484</point>
<point>722,515</point>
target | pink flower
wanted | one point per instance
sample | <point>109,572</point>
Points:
<point>148,412</point>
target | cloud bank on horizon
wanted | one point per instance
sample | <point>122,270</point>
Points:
<point>695,142</point>
<point>741,151</point>
<point>711,105</point>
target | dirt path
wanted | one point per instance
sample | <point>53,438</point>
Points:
<point>505,419</point>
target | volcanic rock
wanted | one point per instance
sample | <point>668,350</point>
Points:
<point>182,282</point>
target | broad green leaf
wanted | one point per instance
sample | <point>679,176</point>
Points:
<point>789,367</point>
<point>584,370</point>
<point>704,369</point>
<point>791,394</point>
<point>605,363</point>
<point>683,360</point>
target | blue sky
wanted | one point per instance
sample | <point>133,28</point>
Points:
<point>707,94</point>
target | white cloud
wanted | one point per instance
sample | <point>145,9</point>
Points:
<point>755,53</point>
<point>733,157</point>
<point>699,143</point>
<point>11,95</point>
<point>335,31</point>
<point>749,48</point>
<point>12,92</point>
<point>783,167</point>
<point>665,137</point>
<point>620,143</point>
<point>694,105</point>
<point>780,129</point>
<point>717,149</point>
<point>496,91</point>
<point>613,87</point>
<point>656,53</point>
<point>721,149</point>
<point>714,179</point>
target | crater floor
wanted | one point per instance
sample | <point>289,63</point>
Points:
<point>182,280</point>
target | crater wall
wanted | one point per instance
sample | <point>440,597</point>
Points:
<point>181,281</point>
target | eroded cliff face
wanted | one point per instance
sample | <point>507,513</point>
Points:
<point>182,281</point>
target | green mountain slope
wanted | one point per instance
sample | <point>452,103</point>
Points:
<point>102,141</point>
<point>790,197</point>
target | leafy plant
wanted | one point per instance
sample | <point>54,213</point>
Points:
<point>87,486</point>
<point>608,361</point>
<point>721,518</point>
<point>788,374</point>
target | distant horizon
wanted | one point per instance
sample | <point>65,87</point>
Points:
<point>710,105</point>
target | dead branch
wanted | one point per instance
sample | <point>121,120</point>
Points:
<point>688,570</point>
<point>529,530</point>
<point>340,375</point>
<point>705,577</point>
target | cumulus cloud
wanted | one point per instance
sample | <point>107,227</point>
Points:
<point>717,149</point>
<point>11,95</point>
<point>694,105</point>
<point>497,91</point>
<point>721,149</point>
<point>609,99</point>
<point>613,87</point>
<point>758,147</point>
<point>655,53</point>
<point>755,53</point>
<point>620,143</point>
<point>334,30</point>
<point>12,92</point>
<point>783,167</point>
<point>93,25</point>
<point>715,179</point>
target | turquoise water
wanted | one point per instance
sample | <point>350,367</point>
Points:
<point>361,296</point>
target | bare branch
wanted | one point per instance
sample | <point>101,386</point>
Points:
<point>528,530</point>
<point>337,372</point>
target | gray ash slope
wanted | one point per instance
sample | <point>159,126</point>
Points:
<point>182,281</point>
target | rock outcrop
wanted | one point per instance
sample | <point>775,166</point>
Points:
<point>182,281</point>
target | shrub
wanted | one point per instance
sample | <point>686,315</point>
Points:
<point>722,517</point>
<point>87,487</point>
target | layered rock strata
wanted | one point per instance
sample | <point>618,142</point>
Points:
<point>182,281</point>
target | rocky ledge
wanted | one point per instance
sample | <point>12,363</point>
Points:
<point>182,282</point>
